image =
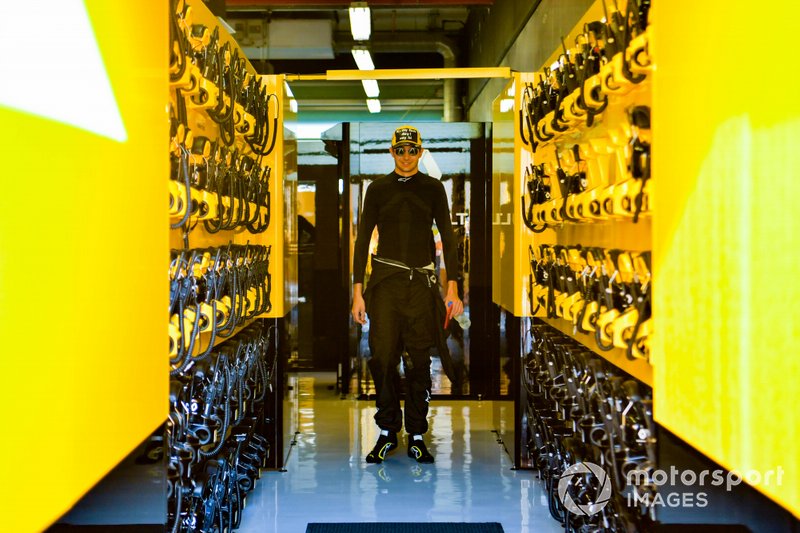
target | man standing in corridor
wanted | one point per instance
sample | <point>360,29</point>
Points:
<point>403,301</point>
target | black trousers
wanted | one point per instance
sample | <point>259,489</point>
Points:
<point>401,316</point>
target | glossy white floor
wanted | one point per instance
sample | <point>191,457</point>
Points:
<point>327,479</point>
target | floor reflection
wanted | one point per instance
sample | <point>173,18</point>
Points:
<point>327,479</point>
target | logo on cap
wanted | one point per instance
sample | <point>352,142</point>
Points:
<point>406,135</point>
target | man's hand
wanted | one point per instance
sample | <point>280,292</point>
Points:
<point>359,310</point>
<point>452,302</point>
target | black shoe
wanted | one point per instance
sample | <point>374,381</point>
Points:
<point>385,444</point>
<point>418,451</point>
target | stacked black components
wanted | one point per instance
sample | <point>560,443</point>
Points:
<point>222,349</point>
<point>590,434</point>
<point>218,394</point>
<point>214,431</point>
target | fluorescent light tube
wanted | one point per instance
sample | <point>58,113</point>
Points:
<point>371,88</point>
<point>227,26</point>
<point>360,25</point>
<point>363,59</point>
<point>512,89</point>
<point>374,105</point>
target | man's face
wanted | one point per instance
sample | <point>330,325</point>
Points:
<point>406,159</point>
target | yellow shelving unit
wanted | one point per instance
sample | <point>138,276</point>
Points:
<point>232,196</point>
<point>514,153</point>
<point>281,161</point>
<point>722,234</point>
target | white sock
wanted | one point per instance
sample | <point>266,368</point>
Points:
<point>385,432</point>
<point>417,437</point>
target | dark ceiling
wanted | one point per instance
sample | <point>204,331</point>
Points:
<point>311,37</point>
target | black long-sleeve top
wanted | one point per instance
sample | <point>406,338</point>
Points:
<point>404,210</point>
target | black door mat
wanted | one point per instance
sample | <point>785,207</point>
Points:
<point>396,527</point>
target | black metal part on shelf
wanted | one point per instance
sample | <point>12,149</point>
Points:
<point>215,442</point>
<point>589,432</point>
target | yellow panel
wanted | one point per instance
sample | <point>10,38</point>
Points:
<point>282,231</point>
<point>83,287</point>
<point>506,285</point>
<point>290,235</point>
<point>726,235</point>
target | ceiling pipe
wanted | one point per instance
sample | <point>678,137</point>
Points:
<point>451,111</point>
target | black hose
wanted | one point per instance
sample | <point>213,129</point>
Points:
<point>527,218</point>
<point>187,356</point>
<point>178,507</point>
<point>227,410</point>
<point>259,150</point>
<point>599,339</point>
<point>211,227</point>
<point>187,184</point>
<point>632,9</point>
<point>213,338</point>
<point>235,316</point>
<point>177,35</point>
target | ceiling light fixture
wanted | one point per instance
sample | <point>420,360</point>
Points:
<point>363,59</point>
<point>371,88</point>
<point>374,105</point>
<point>360,25</point>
